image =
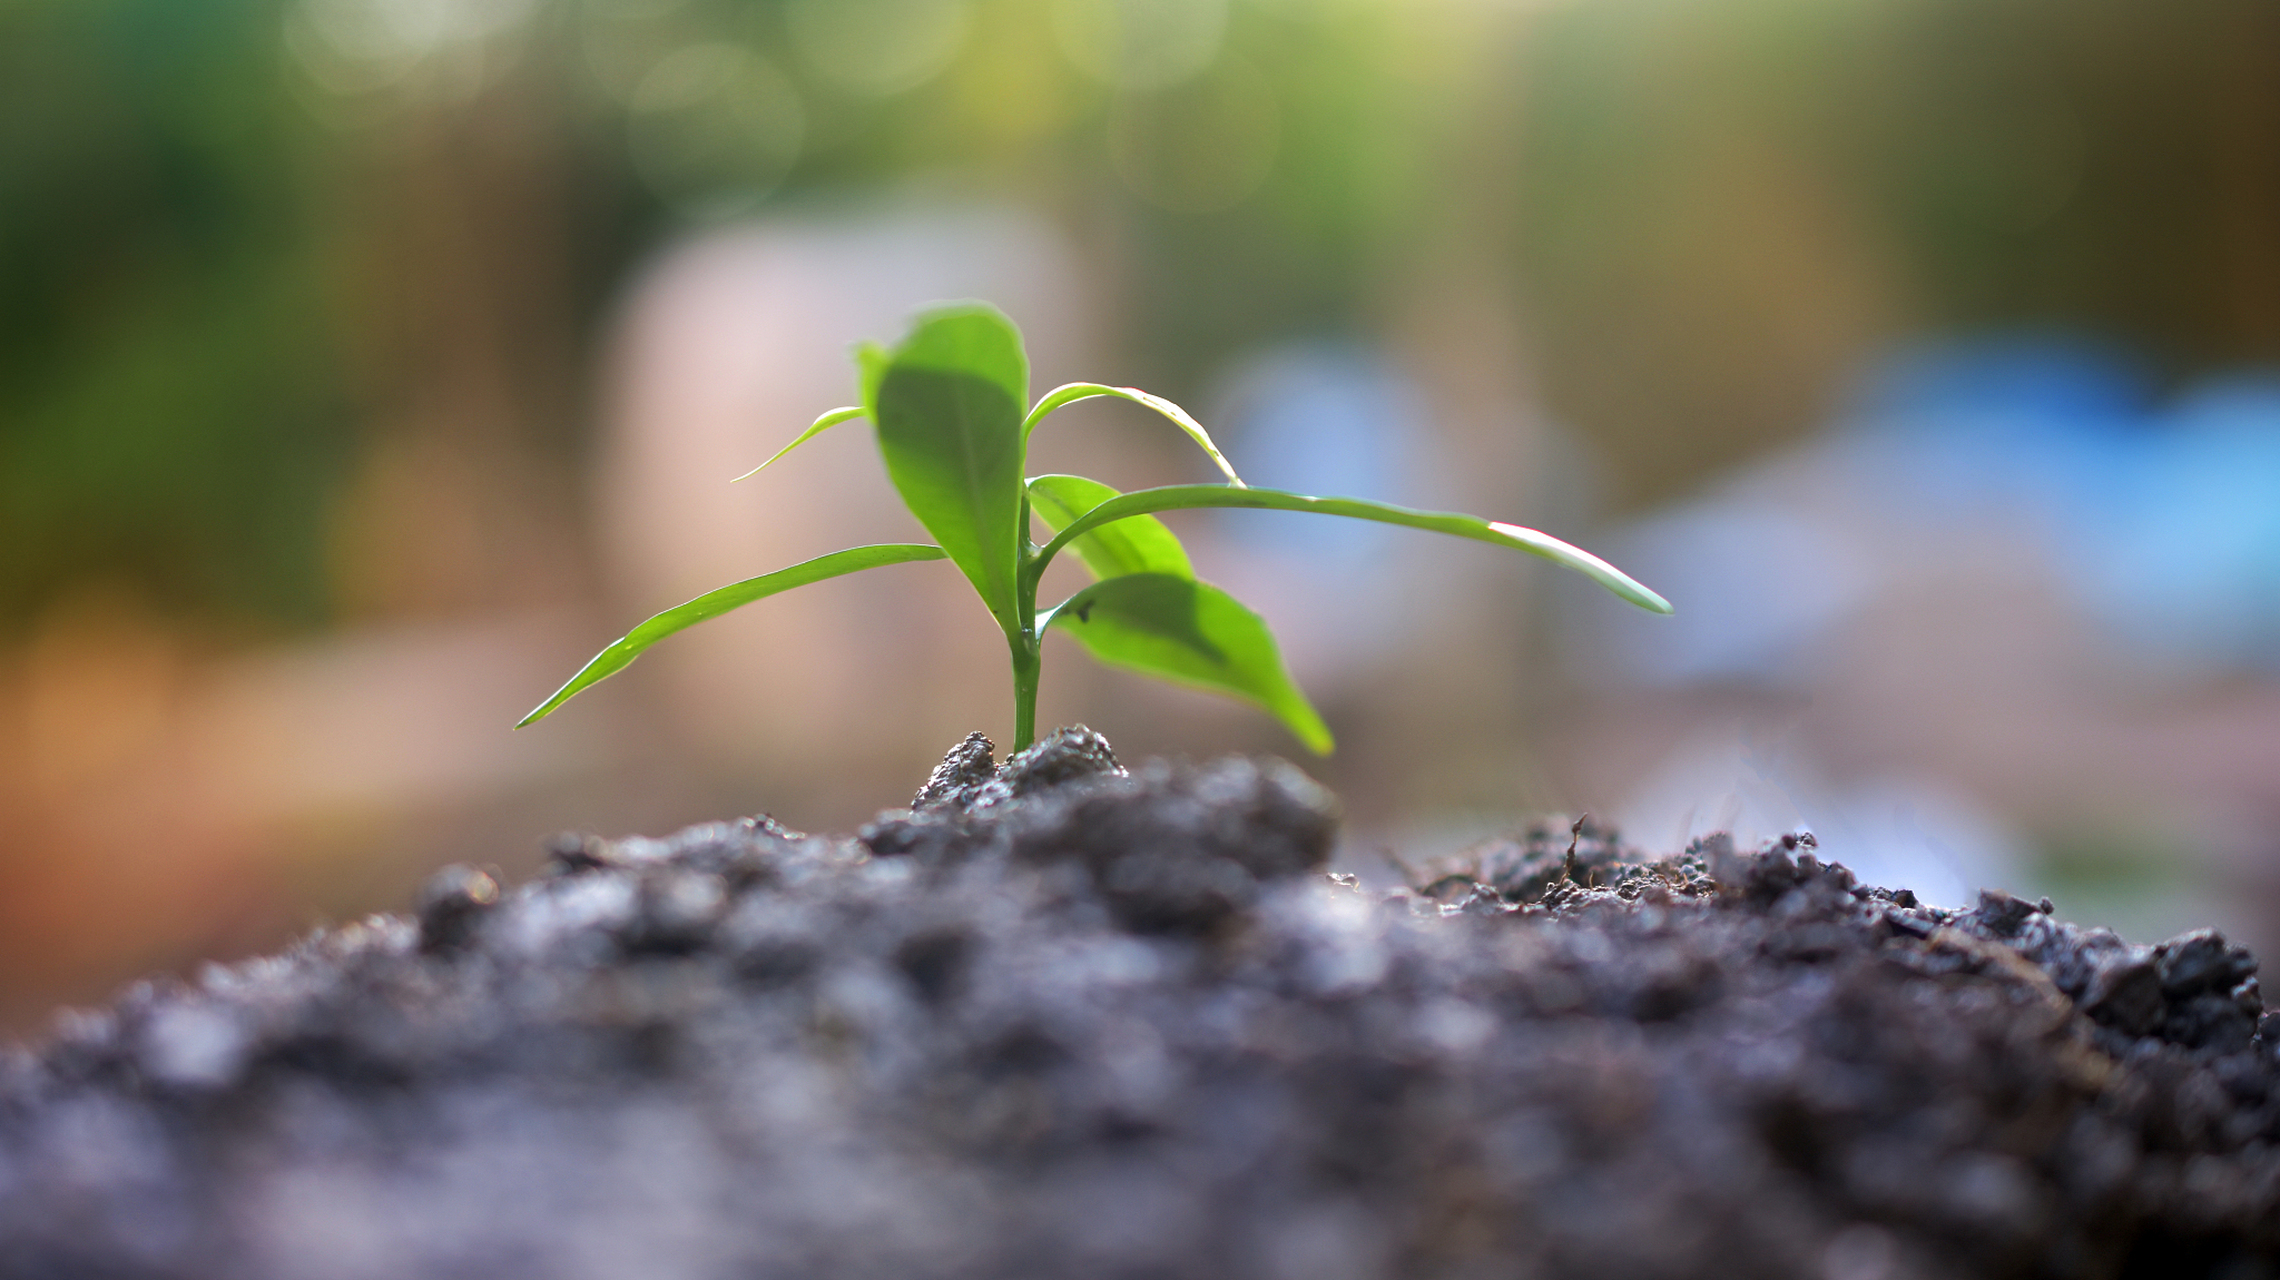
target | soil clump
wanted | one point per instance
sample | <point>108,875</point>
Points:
<point>1060,1019</point>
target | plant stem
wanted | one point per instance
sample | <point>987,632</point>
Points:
<point>1025,666</point>
<point>1027,644</point>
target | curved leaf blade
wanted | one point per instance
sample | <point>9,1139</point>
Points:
<point>1456,524</point>
<point>1070,393</point>
<point>947,407</point>
<point>816,428</point>
<point>1139,544</point>
<point>1192,633</point>
<point>712,604</point>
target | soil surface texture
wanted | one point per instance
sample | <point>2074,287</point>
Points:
<point>1061,1020</point>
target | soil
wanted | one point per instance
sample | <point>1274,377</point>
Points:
<point>1060,1020</point>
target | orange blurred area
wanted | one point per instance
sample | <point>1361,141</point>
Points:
<point>366,365</point>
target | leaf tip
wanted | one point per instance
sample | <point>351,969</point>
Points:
<point>1305,723</point>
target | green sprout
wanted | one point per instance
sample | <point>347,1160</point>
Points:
<point>948,407</point>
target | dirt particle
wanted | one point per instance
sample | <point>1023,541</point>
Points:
<point>449,904</point>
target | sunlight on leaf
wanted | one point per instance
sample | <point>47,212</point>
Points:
<point>1142,544</point>
<point>948,411</point>
<point>712,604</point>
<point>1075,391</point>
<point>1457,524</point>
<point>816,428</point>
<point>1188,632</point>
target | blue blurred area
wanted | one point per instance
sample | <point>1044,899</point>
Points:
<point>2189,560</point>
<point>1324,418</point>
<point>2156,517</point>
<point>1330,417</point>
<point>2160,516</point>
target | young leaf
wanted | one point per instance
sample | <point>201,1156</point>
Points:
<point>966,337</point>
<point>816,428</point>
<point>712,604</point>
<point>1142,544</point>
<point>1495,532</point>
<point>947,405</point>
<point>1188,632</point>
<point>1075,391</point>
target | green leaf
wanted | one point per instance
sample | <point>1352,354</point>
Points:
<point>1142,544</point>
<point>1075,391</point>
<point>1188,632</point>
<point>1494,532</point>
<point>871,361</point>
<point>972,338</point>
<point>816,428</point>
<point>947,405</point>
<point>712,604</point>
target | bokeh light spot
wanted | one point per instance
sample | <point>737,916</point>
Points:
<point>1140,44</point>
<point>358,46</point>
<point>877,46</point>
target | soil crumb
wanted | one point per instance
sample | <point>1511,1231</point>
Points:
<point>1062,1019</point>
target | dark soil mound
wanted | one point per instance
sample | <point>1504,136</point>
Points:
<point>1062,1022</point>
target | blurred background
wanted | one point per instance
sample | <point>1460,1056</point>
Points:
<point>367,364</point>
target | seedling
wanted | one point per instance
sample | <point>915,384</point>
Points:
<point>948,407</point>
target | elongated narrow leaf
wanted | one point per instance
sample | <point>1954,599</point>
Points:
<point>816,428</point>
<point>712,604</point>
<point>1188,632</point>
<point>1141,544</point>
<point>1457,524</point>
<point>947,405</point>
<point>1075,391</point>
